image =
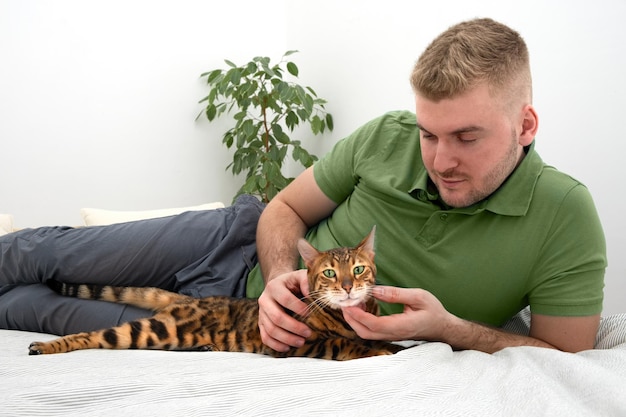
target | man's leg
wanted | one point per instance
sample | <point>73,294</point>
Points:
<point>175,253</point>
<point>56,314</point>
<point>225,268</point>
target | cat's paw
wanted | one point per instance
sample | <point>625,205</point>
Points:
<point>37,348</point>
<point>202,348</point>
<point>380,352</point>
<point>206,348</point>
<point>388,349</point>
<point>393,349</point>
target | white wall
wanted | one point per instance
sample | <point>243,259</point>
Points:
<point>98,101</point>
<point>98,98</point>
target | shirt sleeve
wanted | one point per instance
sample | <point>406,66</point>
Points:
<point>337,173</point>
<point>568,278</point>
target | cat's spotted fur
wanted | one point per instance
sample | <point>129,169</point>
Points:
<point>338,277</point>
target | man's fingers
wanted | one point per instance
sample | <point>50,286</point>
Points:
<point>396,295</point>
<point>352,316</point>
<point>280,323</point>
<point>365,324</point>
<point>284,294</point>
<point>279,330</point>
<point>292,303</point>
<point>276,338</point>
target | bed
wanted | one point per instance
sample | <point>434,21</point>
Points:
<point>427,379</point>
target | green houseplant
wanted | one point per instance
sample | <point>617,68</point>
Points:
<point>266,108</point>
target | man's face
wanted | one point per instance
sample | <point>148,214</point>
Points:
<point>470,145</point>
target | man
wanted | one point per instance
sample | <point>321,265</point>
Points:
<point>471,225</point>
<point>478,221</point>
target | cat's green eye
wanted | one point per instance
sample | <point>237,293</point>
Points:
<point>329,273</point>
<point>358,270</point>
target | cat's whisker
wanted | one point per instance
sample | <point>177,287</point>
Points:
<point>312,295</point>
<point>319,301</point>
<point>313,307</point>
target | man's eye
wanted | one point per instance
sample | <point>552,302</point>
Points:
<point>467,139</point>
<point>329,273</point>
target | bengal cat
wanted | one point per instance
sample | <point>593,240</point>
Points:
<point>337,277</point>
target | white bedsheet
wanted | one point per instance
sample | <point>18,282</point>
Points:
<point>425,380</point>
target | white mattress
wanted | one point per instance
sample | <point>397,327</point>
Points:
<point>428,379</point>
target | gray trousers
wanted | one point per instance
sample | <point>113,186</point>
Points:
<point>198,253</point>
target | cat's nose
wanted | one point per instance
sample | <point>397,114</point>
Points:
<point>346,285</point>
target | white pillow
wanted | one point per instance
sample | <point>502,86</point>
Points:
<point>98,217</point>
<point>6,224</point>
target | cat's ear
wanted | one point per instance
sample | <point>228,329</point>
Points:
<point>367,245</point>
<point>307,251</point>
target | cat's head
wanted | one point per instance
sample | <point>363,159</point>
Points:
<point>340,277</point>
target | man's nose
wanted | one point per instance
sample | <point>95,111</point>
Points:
<point>445,157</point>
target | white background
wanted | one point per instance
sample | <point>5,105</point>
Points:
<point>98,98</point>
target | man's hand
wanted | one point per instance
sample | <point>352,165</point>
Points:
<point>278,329</point>
<point>287,218</point>
<point>422,319</point>
<point>425,318</point>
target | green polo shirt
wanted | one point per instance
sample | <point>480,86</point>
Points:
<point>536,241</point>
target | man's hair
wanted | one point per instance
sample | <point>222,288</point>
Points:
<point>472,52</point>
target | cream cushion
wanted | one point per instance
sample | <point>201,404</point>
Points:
<point>99,217</point>
<point>6,224</point>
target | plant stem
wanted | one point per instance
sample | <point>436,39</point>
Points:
<point>266,139</point>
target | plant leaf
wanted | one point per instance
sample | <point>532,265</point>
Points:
<point>228,138</point>
<point>291,120</point>
<point>213,75</point>
<point>329,121</point>
<point>280,136</point>
<point>234,75</point>
<point>292,68</point>
<point>211,111</point>
<point>312,91</point>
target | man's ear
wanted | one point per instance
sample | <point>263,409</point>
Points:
<point>530,124</point>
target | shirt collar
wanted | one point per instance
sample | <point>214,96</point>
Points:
<point>511,199</point>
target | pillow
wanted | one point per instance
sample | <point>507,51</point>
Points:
<point>6,224</point>
<point>99,217</point>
